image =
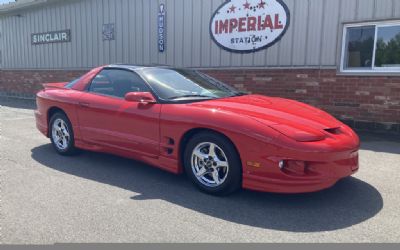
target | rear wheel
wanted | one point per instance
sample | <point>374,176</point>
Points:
<point>212,163</point>
<point>61,134</point>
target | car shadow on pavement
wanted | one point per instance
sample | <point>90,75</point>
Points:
<point>349,202</point>
<point>17,103</point>
<point>386,143</point>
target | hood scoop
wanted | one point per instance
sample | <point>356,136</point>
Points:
<point>334,131</point>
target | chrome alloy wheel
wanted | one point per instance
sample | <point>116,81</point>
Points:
<point>60,134</point>
<point>209,164</point>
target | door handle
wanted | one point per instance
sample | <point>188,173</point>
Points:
<point>84,104</point>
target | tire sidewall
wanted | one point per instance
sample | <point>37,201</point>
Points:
<point>71,148</point>
<point>234,178</point>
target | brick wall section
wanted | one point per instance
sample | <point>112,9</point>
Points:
<point>25,83</point>
<point>364,102</point>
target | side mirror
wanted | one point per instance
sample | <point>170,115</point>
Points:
<point>140,97</point>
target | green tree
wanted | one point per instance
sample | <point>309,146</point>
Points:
<point>388,53</point>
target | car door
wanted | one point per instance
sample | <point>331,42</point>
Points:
<point>107,119</point>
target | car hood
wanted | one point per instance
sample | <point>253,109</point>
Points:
<point>274,111</point>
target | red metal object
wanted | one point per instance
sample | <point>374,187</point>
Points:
<point>141,97</point>
<point>318,149</point>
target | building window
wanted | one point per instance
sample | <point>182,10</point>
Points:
<point>371,47</point>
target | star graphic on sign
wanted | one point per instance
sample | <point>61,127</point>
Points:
<point>232,9</point>
<point>261,4</point>
<point>246,5</point>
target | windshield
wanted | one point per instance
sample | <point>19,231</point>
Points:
<point>177,84</point>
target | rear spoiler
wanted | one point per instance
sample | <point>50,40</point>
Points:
<point>56,85</point>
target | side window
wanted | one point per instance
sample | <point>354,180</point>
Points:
<point>117,82</point>
<point>101,84</point>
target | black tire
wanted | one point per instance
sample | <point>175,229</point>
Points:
<point>233,180</point>
<point>70,148</point>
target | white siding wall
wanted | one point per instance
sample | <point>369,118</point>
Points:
<point>1,43</point>
<point>312,38</point>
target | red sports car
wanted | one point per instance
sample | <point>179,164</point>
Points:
<point>182,120</point>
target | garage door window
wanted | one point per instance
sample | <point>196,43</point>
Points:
<point>371,48</point>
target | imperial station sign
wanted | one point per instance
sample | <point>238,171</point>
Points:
<point>249,25</point>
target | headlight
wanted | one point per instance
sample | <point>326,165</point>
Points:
<point>300,135</point>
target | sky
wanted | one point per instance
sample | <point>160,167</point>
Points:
<point>6,1</point>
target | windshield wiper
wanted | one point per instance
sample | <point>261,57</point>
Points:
<point>241,93</point>
<point>186,96</point>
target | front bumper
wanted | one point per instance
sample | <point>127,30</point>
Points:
<point>318,175</point>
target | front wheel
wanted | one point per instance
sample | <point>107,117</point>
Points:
<point>212,163</point>
<point>61,134</point>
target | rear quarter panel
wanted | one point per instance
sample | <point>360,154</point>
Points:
<point>63,99</point>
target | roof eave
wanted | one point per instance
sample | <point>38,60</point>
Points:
<point>20,5</point>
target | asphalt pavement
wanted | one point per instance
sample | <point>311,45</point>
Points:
<point>46,198</point>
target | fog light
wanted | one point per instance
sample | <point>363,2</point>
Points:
<point>281,164</point>
<point>293,167</point>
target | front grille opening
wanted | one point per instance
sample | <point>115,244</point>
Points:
<point>334,131</point>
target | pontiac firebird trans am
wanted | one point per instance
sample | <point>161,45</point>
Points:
<point>182,120</point>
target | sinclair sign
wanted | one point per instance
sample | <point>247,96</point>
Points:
<point>247,26</point>
<point>51,37</point>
